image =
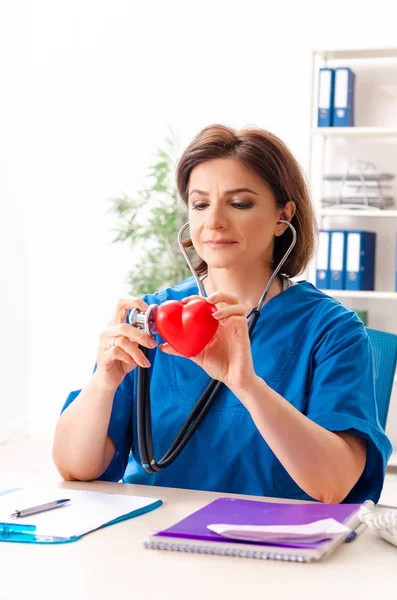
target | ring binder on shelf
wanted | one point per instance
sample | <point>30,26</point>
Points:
<point>360,264</point>
<point>325,97</point>
<point>322,267</point>
<point>343,113</point>
<point>337,260</point>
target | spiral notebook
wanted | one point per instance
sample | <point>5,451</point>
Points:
<point>193,534</point>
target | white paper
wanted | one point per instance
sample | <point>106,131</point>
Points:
<point>310,532</point>
<point>86,511</point>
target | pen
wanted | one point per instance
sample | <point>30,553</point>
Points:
<point>355,533</point>
<point>38,509</point>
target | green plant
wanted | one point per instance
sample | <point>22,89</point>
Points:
<point>150,222</point>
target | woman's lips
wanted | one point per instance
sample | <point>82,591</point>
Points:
<point>219,243</point>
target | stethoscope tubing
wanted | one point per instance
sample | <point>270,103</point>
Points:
<point>203,405</point>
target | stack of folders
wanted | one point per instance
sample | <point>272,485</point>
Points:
<point>336,97</point>
<point>266,530</point>
<point>346,260</point>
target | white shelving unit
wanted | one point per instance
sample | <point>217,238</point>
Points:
<point>373,139</point>
<point>355,53</point>
<point>355,131</point>
<point>374,213</point>
<point>370,295</point>
<point>321,139</point>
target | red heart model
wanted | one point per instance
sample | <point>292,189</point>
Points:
<point>186,327</point>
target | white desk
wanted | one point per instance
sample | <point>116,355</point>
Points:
<point>112,563</point>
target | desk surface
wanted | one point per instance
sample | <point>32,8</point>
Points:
<point>112,563</point>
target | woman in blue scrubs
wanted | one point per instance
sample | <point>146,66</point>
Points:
<point>296,414</point>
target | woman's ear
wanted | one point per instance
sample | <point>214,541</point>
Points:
<point>285,214</point>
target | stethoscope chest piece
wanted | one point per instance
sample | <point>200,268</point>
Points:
<point>145,321</point>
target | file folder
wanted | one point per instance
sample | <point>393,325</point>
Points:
<point>337,260</point>
<point>322,266</point>
<point>343,112</point>
<point>325,97</point>
<point>360,264</point>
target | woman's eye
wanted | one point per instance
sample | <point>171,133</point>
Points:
<point>199,206</point>
<point>242,205</point>
<point>239,205</point>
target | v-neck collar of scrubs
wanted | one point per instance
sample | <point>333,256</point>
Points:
<point>283,291</point>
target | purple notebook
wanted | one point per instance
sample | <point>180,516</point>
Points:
<point>251,512</point>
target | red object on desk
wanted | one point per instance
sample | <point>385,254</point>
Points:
<point>188,328</point>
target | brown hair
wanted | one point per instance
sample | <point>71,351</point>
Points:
<point>266,155</point>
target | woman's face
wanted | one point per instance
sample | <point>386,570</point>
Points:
<point>232,215</point>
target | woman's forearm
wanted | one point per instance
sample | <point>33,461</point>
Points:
<point>82,449</point>
<point>321,462</point>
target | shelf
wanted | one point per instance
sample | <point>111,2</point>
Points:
<point>357,53</point>
<point>369,295</point>
<point>333,212</point>
<point>355,131</point>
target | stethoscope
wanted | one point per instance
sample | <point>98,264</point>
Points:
<point>146,321</point>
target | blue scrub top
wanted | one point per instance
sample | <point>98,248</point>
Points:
<point>307,347</point>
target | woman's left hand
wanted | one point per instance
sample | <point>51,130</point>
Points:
<point>227,357</point>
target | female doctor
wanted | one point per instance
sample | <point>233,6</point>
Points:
<point>296,414</point>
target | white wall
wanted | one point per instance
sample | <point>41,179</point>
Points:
<point>107,79</point>
<point>15,198</point>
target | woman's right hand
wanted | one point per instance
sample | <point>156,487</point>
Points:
<point>118,351</point>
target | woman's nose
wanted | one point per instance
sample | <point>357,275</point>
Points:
<point>215,219</point>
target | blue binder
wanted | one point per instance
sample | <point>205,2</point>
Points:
<point>360,263</point>
<point>343,113</point>
<point>326,85</point>
<point>322,263</point>
<point>337,260</point>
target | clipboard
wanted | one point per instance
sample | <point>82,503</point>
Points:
<point>44,528</point>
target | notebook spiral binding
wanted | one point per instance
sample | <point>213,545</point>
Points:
<point>228,552</point>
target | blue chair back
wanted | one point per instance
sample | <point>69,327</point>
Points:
<point>384,353</point>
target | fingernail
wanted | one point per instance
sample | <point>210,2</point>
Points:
<point>216,313</point>
<point>153,343</point>
<point>146,362</point>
